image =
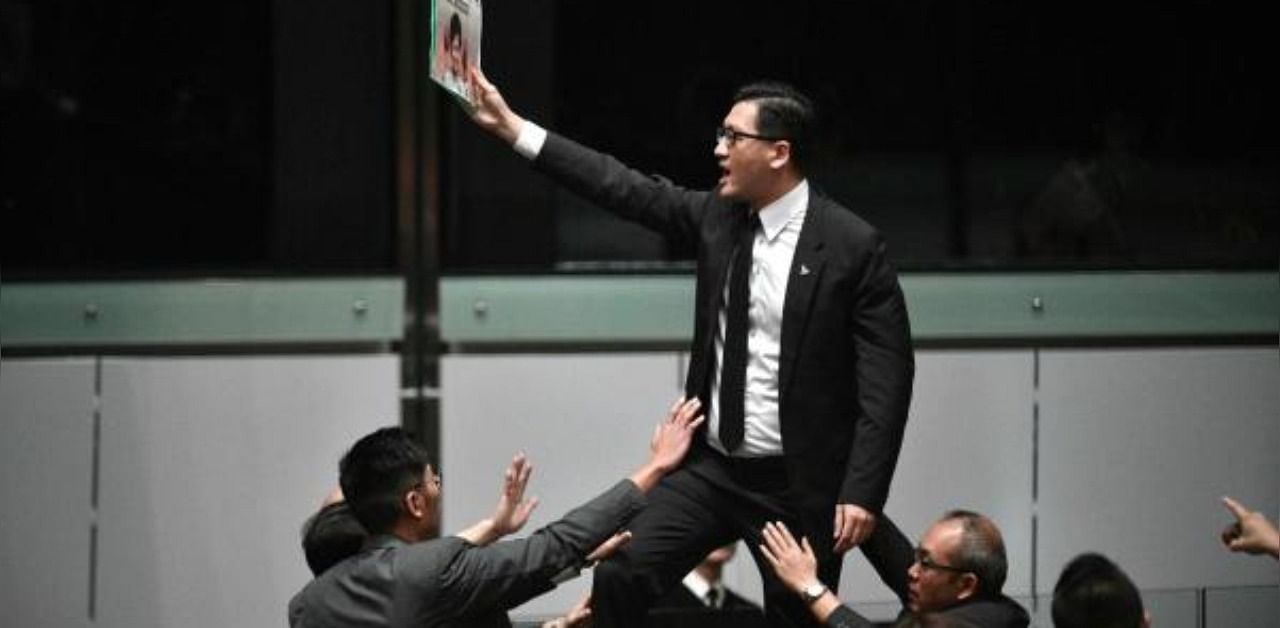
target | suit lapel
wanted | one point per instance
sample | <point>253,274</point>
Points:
<point>806,272</point>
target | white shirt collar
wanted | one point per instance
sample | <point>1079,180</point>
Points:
<point>775,216</point>
<point>697,585</point>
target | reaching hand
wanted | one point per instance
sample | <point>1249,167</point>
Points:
<point>853,524</point>
<point>1251,533</point>
<point>606,549</point>
<point>513,509</point>
<point>577,617</point>
<point>672,436</point>
<point>491,112</point>
<point>794,563</point>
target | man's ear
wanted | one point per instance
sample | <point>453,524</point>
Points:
<point>414,504</point>
<point>781,155</point>
<point>968,586</point>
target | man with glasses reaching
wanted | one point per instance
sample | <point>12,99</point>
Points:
<point>957,573</point>
<point>801,348</point>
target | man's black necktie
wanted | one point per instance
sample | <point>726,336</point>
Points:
<point>733,370</point>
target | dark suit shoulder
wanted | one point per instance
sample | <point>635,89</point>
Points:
<point>999,612</point>
<point>838,219</point>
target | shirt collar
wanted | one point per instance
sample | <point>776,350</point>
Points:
<point>775,216</point>
<point>697,585</point>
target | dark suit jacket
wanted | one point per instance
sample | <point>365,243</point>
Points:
<point>681,598</point>
<point>890,553</point>
<point>450,582</point>
<point>846,363</point>
<point>679,608</point>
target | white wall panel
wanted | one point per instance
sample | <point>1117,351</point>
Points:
<point>46,475</point>
<point>584,420</point>
<point>210,466</point>
<point>967,445</point>
<point>1137,447</point>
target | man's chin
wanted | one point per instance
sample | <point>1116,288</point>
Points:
<point>727,192</point>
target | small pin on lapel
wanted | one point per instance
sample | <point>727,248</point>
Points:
<point>804,270</point>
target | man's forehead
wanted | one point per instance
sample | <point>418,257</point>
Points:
<point>742,115</point>
<point>941,536</point>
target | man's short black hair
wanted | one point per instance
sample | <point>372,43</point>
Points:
<point>376,473</point>
<point>1094,592</point>
<point>981,550</point>
<point>331,536</point>
<point>783,112</point>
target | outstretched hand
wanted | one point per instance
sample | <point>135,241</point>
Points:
<point>611,545</point>
<point>795,563</point>
<point>1251,533</point>
<point>670,442</point>
<point>672,436</point>
<point>490,110</point>
<point>513,509</point>
<point>577,617</point>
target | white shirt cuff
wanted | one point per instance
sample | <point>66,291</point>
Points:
<point>529,142</point>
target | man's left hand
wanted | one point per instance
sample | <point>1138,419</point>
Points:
<point>853,525</point>
<point>513,509</point>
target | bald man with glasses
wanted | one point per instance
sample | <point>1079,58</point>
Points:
<point>956,573</point>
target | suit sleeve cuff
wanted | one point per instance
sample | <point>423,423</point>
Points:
<point>529,142</point>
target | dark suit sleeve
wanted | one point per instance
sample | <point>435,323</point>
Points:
<point>890,554</point>
<point>652,201</point>
<point>506,574</point>
<point>845,617</point>
<point>885,370</point>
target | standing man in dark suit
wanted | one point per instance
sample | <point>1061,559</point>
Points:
<point>803,356</point>
<point>404,577</point>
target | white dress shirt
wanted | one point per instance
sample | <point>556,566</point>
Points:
<point>699,587</point>
<point>775,247</point>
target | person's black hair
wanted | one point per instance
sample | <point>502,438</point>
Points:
<point>783,112</point>
<point>331,536</point>
<point>1094,592</point>
<point>455,27</point>
<point>376,472</point>
<point>981,550</point>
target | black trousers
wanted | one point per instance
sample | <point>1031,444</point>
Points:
<point>710,501</point>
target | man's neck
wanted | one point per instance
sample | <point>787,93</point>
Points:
<point>779,188</point>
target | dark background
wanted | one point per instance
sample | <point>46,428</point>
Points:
<point>150,139</point>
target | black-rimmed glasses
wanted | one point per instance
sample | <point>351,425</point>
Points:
<point>927,562</point>
<point>731,136</point>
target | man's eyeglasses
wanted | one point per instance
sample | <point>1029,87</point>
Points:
<point>927,562</point>
<point>730,136</point>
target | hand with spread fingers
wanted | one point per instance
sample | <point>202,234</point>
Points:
<point>513,509</point>
<point>794,562</point>
<point>670,442</point>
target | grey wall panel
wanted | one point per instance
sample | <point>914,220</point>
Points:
<point>1137,447</point>
<point>1242,606</point>
<point>584,420</point>
<point>967,445</point>
<point>46,474</point>
<point>209,467</point>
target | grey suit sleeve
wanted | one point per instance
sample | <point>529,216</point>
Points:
<point>508,573</point>
<point>652,201</point>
